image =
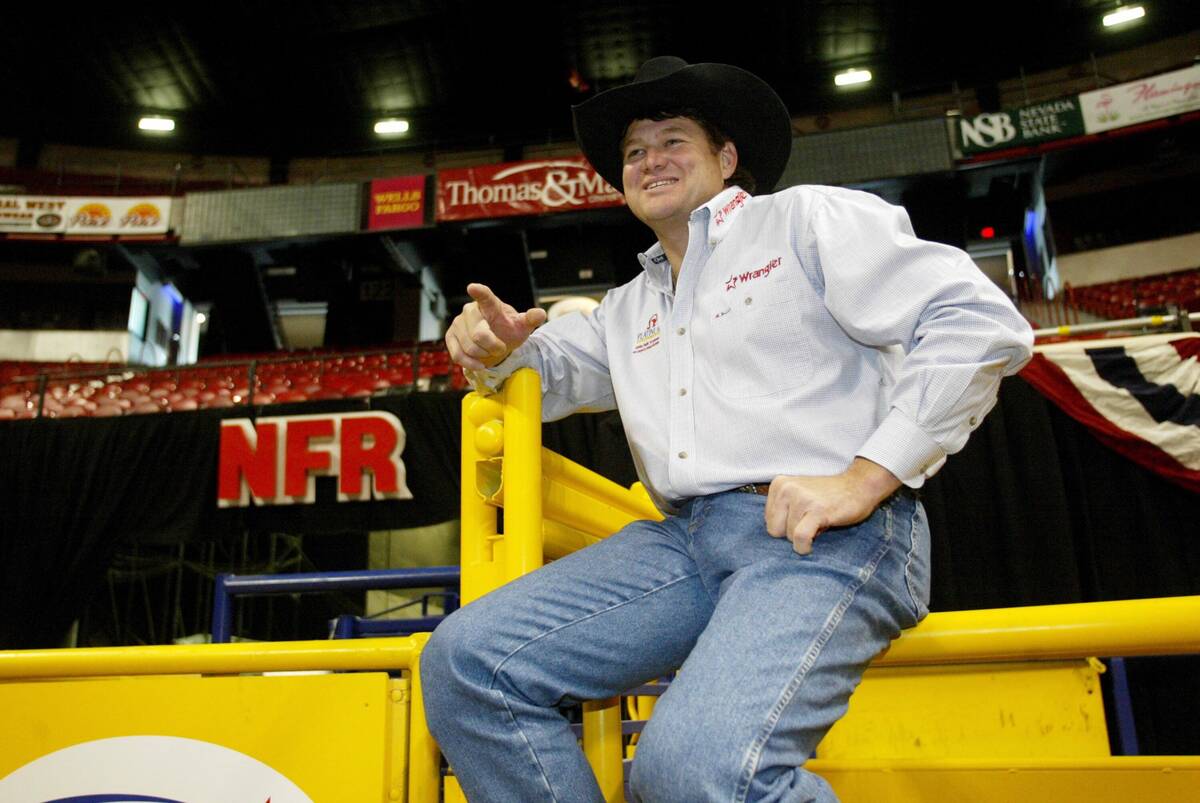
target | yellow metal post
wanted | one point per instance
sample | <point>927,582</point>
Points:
<point>602,746</point>
<point>479,539</point>
<point>424,779</point>
<point>522,473</point>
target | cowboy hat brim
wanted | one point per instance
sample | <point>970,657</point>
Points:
<point>738,102</point>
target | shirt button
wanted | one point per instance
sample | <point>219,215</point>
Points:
<point>683,392</point>
<point>973,420</point>
<point>683,455</point>
<point>681,330</point>
<point>749,299</point>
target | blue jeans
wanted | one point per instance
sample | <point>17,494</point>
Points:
<point>769,645</point>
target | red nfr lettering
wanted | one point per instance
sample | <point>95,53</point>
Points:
<point>368,443</point>
<point>250,456</point>
<point>304,462</point>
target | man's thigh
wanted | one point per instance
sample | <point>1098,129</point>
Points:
<point>784,648</point>
<point>591,624</point>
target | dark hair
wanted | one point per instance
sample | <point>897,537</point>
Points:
<point>716,138</point>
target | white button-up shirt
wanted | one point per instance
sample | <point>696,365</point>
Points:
<point>807,327</point>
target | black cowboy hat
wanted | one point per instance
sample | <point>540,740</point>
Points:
<point>738,102</point>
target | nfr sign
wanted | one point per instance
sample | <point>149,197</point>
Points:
<point>276,461</point>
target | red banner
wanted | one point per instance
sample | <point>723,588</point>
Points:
<point>396,203</point>
<point>522,188</point>
<point>275,460</point>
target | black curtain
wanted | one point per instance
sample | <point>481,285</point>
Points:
<point>73,490</point>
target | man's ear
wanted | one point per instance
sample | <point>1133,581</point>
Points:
<point>729,159</point>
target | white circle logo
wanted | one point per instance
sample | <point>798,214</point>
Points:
<point>148,769</point>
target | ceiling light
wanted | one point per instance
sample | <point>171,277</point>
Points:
<point>1124,14</point>
<point>851,77</point>
<point>157,124</point>
<point>391,125</point>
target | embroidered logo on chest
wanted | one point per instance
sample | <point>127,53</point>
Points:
<point>649,337</point>
<point>751,275</point>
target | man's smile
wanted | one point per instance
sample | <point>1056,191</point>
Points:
<point>659,182</point>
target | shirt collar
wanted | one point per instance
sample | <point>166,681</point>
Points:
<point>723,210</point>
<point>658,268</point>
<point>720,213</point>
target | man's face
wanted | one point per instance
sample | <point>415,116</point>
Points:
<point>671,168</point>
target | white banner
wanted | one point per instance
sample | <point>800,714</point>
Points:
<point>50,214</point>
<point>1139,101</point>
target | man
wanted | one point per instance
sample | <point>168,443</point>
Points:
<point>788,369</point>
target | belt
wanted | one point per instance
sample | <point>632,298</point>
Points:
<point>762,489</point>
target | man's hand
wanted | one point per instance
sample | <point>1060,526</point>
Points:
<point>487,329</point>
<point>801,508</point>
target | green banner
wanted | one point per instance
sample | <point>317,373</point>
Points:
<point>1027,125</point>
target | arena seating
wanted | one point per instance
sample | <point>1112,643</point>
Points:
<point>1132,298</point>
<point>79,390</point>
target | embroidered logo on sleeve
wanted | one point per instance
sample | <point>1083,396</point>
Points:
<point>649,337</point>
<point>748,276</point>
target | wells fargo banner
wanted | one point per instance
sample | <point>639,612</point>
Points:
<point>396,203</point>
<point>1025,125</point>
<point>1140,101</point>
<point>51,214</point>
<point>522,188</point>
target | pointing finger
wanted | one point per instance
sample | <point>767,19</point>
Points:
<point>489,303</point>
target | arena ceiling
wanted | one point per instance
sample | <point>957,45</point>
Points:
<point>310,77</point>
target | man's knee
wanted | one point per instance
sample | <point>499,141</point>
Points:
<point>448,662</point>
<point>668,768</point>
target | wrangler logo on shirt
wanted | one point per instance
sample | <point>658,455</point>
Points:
<point>649,337</point>
<point>750,275</point>
<point>724,211</point>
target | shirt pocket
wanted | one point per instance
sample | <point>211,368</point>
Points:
<point>759,341</point>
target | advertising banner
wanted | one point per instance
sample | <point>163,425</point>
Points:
<point>1025,125</point>
<point>49,214</point>
<point>522,188</point>
<point>396,203</point>
<point>276,460</point>
<point>1140,101</point>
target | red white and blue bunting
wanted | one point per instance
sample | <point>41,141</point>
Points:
<point>1140,396</point>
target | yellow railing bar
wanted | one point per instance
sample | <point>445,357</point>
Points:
<point>940,764</point>
<point>398,652</point>
<point>559,540</point>
<point>1161,626</point>
<point>603,490</point>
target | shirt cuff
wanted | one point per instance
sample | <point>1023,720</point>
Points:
<point>904,449</point>
<point>488,380</point>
